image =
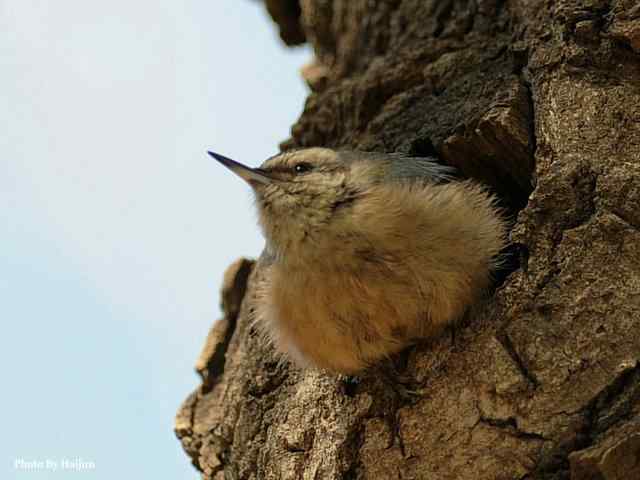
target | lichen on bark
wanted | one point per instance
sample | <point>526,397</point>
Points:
<point>541,101</point>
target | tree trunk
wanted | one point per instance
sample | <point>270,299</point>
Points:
<point>540,100</point>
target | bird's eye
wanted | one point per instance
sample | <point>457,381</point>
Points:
<point>302,168</point>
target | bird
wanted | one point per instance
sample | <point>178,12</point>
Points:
<point>367,253</point>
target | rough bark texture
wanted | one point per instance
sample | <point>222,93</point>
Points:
<point>541,100</point>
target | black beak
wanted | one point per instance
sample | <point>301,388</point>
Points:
<point>249,175</point>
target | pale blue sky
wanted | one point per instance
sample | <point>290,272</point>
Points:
<point>115,226</point>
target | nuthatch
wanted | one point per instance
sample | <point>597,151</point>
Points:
<point>367,252</point>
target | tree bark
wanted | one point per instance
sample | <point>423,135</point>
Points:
<point>541,101</point>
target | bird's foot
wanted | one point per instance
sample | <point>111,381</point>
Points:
<point>405,387</point>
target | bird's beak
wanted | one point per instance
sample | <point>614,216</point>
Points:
<point>252,176</point>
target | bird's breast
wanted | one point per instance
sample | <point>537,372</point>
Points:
<point>339,318</point>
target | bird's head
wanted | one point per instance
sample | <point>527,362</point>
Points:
<point>300,194</point>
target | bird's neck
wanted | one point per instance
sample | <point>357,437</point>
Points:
<point>315,251</point>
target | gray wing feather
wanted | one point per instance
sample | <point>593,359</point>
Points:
<point>420,168</point>
<point>402,167</point>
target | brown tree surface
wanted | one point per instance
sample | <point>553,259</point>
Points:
<point>539,99</point>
